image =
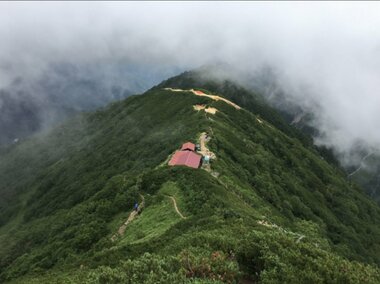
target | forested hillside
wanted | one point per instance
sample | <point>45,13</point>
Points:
<point>269,209</point>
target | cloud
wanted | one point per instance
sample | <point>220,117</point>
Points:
<point>327,53</point>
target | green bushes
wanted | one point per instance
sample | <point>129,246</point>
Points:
<point>71,204</point>
<point>276,258</point>
<point>148,269</point>
<point>196,266</point>
<point>214,266</point>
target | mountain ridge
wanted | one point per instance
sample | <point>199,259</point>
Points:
<point>276,212</point>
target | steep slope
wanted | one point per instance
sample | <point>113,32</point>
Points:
<point>367,174</point>
<point>29,105</point>
<point>205,78</point>
<point>27,108</point>
<point>268,209</point>
<point>281,114</point>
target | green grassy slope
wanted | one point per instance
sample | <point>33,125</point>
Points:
<point>202,78</point>
<point>205,78</point>
<point>276,213</point>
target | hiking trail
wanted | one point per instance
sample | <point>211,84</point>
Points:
<point>176,207</point>
<point>204,151</point>
<point>361,164</point>
<point>274,226</point>
<point>131,217</point>
<point>203,139</point>
<point>210,110</point>
<point>202,94</point>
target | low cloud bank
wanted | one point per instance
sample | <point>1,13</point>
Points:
<point>326,55</point>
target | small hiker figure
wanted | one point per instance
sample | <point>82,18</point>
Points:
<point>136,207</point>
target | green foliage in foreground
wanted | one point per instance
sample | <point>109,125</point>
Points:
<point>277,213</point>
<point>268,257</point>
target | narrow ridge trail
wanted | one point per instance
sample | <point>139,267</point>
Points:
<point>361,165</point>
<point>176,207</point>
<point>202,94</point>
<point>131,217</point>
<point>203,139</point>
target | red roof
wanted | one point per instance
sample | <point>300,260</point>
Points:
<point>199,92</point>
<point>188,146</point>
<point>185,158</point>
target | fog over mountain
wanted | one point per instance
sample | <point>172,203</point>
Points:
<point>326,55</point>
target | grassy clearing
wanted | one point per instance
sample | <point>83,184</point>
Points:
<point>151,223</point>
<point>172,189</point>
<point>156,218</point>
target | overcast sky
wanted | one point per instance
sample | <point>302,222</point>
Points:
<point>332,48</point>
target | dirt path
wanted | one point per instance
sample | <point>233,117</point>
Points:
<point>215,98</point>
<point>176,207</point>
<point>300,238</point>
<point>123,227</point>
<point>361,165</point>
<point>272,225</point>
<point>204,151</point>
<point>175,90</point>
<point>211,110</point>
<point>202,94</point>
<point>131,217</point>
<point>203,139</point>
